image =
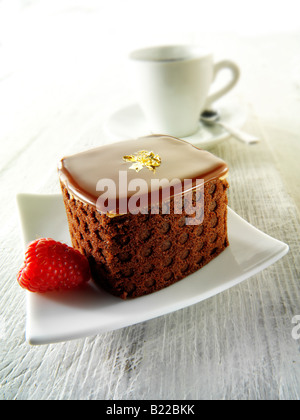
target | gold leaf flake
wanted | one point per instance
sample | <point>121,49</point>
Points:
<point>138,166</point>
<point>143,158</point>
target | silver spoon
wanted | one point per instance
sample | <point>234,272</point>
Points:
<point>211,117</point>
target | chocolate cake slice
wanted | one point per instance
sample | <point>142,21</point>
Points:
<point>146,212</point>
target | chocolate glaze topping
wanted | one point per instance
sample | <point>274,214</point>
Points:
<point>179,160</point>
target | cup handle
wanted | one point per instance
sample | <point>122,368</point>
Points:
<point>235,72</point>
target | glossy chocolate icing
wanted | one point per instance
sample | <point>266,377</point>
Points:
<point>179,160</point>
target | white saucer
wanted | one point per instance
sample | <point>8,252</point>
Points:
<point>130,122</point>
<point>61,316</point>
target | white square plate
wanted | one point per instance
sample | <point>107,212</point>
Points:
<point>62,316</point>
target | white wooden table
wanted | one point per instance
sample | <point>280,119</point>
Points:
<point>61,76</point>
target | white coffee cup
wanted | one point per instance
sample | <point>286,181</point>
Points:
<point>172,84</point>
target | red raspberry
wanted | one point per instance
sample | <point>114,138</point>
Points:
<point>51,265</point>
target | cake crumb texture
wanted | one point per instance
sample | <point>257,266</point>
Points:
<point>134,255</point>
